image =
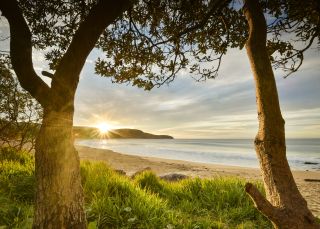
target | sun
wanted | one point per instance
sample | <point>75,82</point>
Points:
<point>103,128</point>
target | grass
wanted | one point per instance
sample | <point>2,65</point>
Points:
<point>116,201</point>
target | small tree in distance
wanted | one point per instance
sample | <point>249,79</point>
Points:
<point>20,114</point>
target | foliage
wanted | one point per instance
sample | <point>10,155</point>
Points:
<point>299,18</point>
<point>150,43</point>
<point>156,39</point>
<point>116,201</point>
<point>19,112</point>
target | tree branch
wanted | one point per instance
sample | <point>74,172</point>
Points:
<point>21,52</point>
<point>100,16</point>
<point>261,203</point>
<point>47,74</point>
<point>215,6</point>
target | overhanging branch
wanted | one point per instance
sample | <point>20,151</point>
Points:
<point>100,16</point>
<point>47,74</point>
<point>215,6</point>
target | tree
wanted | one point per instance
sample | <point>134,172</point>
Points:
<point>20,114</point>
<point>286,207</point>
<point>148,49</point>
<point>59,196</point>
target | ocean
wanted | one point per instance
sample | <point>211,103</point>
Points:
<point>302,154</point>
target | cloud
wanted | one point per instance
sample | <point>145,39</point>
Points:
<point>220,108</point>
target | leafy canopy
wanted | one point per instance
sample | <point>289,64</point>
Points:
<point>155,39</point>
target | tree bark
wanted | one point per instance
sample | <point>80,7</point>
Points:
<point>285,206</point>
<point>59,197</point>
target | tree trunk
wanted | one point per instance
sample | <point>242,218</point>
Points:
<point>285,206</point>
<point>59,196</point>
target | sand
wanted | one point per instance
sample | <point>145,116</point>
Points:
<point>131,164</point>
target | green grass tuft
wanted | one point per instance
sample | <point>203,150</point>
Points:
<point>17,188</point>
<point>116,201</point>
<point>216,203</point>
<point>11,154</point>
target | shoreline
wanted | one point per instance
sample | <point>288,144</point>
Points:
<point>238,152</point>
<point>132,163</point>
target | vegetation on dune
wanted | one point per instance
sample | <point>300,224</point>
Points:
<point>116,201</point>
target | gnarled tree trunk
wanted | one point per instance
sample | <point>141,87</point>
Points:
<point>285,206</point>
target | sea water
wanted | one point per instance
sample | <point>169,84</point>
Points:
<point>302,154</point>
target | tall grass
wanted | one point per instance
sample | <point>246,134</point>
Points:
<point>206,203</point>
<point>116,201</point>
<point>16,188</point>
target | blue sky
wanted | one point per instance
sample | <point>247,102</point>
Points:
<point>219,108</point>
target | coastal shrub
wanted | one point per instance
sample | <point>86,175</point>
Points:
<point>116,201</point>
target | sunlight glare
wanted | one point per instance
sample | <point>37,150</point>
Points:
<point>103,128</point>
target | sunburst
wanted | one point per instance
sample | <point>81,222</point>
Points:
<point>103,127</point>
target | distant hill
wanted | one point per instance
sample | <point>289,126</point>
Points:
<point>92,132</point>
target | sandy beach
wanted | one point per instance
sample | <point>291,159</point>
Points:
<point>131,164</point>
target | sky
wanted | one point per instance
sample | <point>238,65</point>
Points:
<point>218,108</point>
